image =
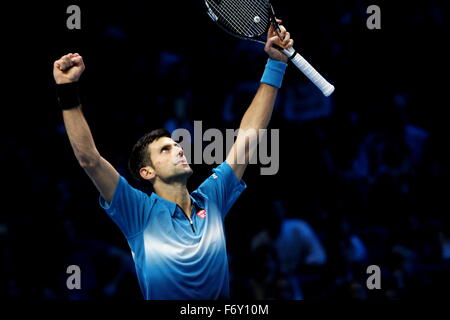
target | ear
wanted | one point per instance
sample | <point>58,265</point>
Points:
<point>147,173</point>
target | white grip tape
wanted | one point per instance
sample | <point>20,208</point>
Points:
<point>315,77</point>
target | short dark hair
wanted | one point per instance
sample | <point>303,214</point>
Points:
<point>140,155</point>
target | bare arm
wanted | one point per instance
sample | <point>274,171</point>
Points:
<point>256,117</point>
<point>260,110</point>
<point>101,172</point>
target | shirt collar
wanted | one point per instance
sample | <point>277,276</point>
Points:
<point>172,206</point>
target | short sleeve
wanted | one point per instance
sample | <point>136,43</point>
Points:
<point>129,208</point>
<point>223,187</point>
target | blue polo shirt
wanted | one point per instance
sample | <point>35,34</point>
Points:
<point>175,259</point>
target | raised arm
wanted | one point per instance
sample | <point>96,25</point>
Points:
<point>66,71</point>
<point>260,110</point>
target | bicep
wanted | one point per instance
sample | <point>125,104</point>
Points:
<point>105,178</point>
<point>238,169</point>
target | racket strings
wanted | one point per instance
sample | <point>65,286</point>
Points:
<point>248,9</point>
<point>241,15</point>
<point>232,20</point>
<point>264,16</point>
<point>254,10</point>
<point>229,20</point>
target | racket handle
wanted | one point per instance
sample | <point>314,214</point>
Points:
<point>304,66</point>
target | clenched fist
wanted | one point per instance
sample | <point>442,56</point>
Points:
<point>281,38</point>
<point>68,68</point>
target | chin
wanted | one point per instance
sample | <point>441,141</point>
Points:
<point>185,172</point>
<point>189,171</point>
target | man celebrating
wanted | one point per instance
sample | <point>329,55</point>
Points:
<point>176,238</point>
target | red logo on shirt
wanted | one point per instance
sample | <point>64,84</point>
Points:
<point>202,214</point>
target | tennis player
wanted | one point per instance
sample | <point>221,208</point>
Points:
<point>176,239</point>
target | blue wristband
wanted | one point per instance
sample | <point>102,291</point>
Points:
<point>274,72</point>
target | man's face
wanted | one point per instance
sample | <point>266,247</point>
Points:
<point>169,162</point>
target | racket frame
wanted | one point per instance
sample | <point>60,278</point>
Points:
<point>312,74</point>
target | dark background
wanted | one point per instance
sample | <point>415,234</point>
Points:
<point>374,165</point>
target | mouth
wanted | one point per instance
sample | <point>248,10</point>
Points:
<point>182,161</point>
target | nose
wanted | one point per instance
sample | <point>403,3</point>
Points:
<point>180,152</point>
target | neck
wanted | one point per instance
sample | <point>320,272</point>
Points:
<point>175,192</point>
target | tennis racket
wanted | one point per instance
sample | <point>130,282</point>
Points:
<point>250,20</point>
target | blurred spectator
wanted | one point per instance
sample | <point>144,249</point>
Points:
<point>107,270</point>
<point>348,257</point>
<point>304,102</point>
<point>295,245</point>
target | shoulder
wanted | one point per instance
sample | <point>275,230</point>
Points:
<point>223,178</point>
<point>126,195</point>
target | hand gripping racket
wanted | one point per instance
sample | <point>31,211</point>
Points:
<point>250,20</point>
